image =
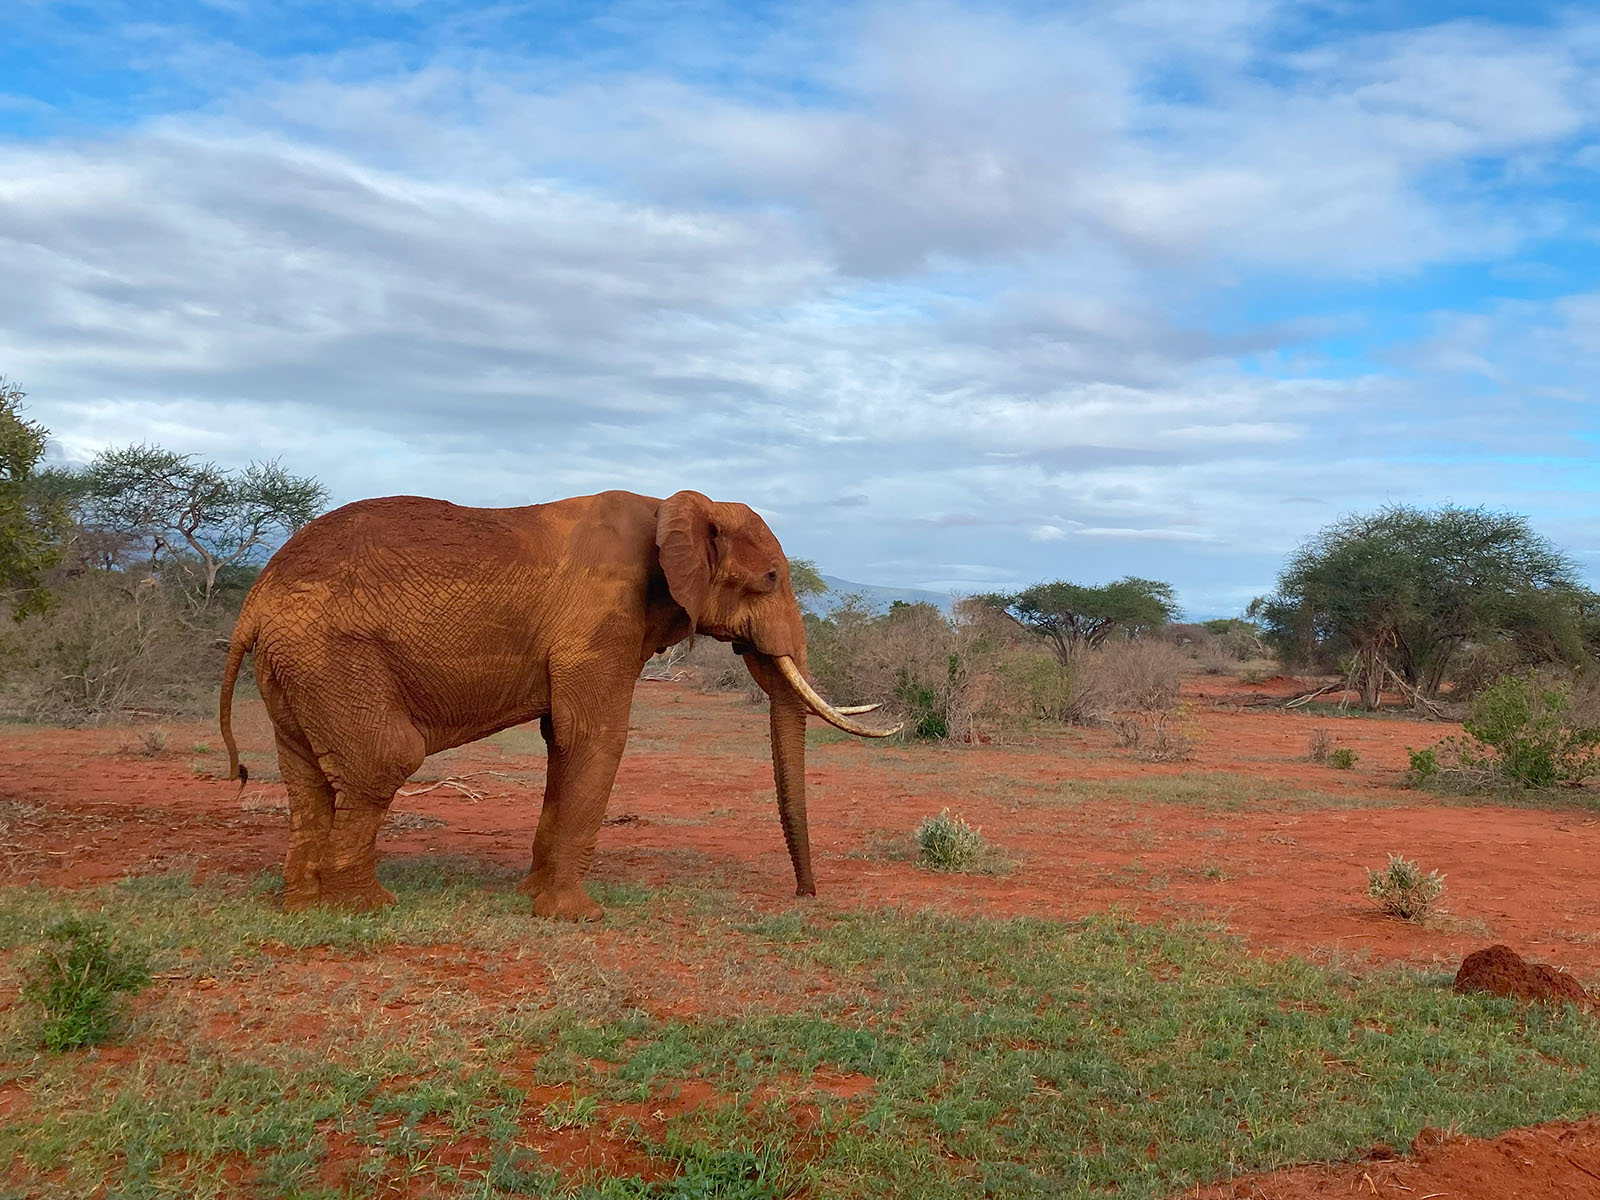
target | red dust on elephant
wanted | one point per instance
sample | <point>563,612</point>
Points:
<point>391,629</point>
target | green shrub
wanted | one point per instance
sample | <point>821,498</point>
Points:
<point>948,843</point>
<point>926,716</point>
<point>1521,733</point>
<point>1524,725</point>
<point>1343,758</point>
<point>1402,890</point>
<point>78,978</point>
<point>1424,764</point>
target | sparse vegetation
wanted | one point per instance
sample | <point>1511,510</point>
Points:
<point>1319,745</point>
<point>947,843</point>
<point>78,978</point>
<point>1154,737</point>
<point>982,1055</point>
<point>1402,889</point>
<point>1342,758</point>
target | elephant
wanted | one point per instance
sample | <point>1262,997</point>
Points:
<point>393,628</point>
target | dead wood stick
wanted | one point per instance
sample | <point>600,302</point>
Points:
<point>1309,696</point>
<point>459,783</point>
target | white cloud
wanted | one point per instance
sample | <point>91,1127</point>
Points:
<point>949,305</point>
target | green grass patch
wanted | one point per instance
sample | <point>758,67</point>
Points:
<point>1020,1058</point>
<point>1213,791</point>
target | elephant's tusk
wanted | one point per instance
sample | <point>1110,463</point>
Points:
<point>855,710</point>
<point>821,707</point>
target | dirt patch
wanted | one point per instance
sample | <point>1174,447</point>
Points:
<point>1248,835</point>
<point>1501,971</point>
<point>1551,1162</point>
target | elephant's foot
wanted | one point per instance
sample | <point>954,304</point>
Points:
<point>567,903</point>
<point>355,888</point>
<point>302,897</point>
<point>300,888</point>
<point>368,898</point>
<point>533,883</point>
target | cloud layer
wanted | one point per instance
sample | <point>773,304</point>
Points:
<point>959,297</point>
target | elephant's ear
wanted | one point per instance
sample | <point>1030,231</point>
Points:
<point>686,535</point>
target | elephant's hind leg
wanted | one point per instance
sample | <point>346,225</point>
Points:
<point>365,777</point>
<point>311,802</point>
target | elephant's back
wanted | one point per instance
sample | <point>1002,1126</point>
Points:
<point>418,576</point>
<point>368,535</point>
<point>402,591</point>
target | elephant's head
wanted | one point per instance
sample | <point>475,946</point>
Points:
<point>726,570</point>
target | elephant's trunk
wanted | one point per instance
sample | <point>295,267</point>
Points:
<point>787,720</point>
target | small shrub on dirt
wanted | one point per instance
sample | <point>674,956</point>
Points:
<point>152,743</point>
<point>1155,737</point>
<point>947,843</point>
<point>1127,732</point>
<point>78,977</point>
<point>1402,889</point>
<point>1343,758</point>
<point>1319,745</point>
<point>1167,742</point>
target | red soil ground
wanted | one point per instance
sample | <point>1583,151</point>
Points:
<point>1266,844</point>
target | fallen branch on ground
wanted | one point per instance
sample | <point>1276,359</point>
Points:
<point>1417,698</point>
<point>459,783</point>
<point>1309,696</point>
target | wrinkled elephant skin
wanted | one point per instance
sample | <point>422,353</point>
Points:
<point>394,628</point>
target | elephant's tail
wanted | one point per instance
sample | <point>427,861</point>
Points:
<point>243,641</point>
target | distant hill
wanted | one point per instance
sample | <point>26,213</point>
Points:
<point>880,598</point>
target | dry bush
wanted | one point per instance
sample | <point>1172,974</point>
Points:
<point>1217,647</point>
<point>716,668</point>
<point>1402,890</point>
<point>963,680</point>
<point>111,647</point>
<point>1155,737</point>
<point>1475,667</point>
<point>1137,674</point>
<point>1583,709</point>
<point>1319,745</point>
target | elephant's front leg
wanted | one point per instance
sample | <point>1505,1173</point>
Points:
<point>590,732</point>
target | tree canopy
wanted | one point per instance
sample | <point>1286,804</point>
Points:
<point>1402,589</point>
<point>1071,616</point>
<point>31,519</point>
<point>805,580</point>
<point>196,517</point>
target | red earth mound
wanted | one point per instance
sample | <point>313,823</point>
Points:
<point>1560,1161</point>
<point>1501,971</point>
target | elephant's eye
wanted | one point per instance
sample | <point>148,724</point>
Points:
<point>772,577</point>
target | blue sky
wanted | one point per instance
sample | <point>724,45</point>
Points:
<point>960,296</point>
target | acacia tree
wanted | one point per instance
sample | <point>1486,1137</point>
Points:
<point>196,517</point>
<point>1402,589</point>
<point>806,581</point>
<point>31,520</point>
<point>1072,616</point>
